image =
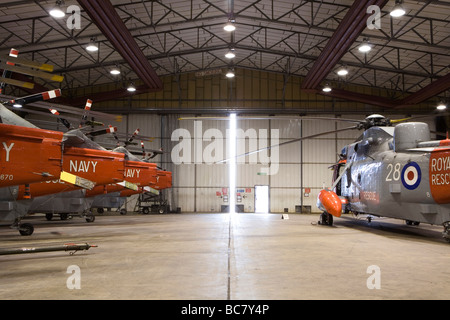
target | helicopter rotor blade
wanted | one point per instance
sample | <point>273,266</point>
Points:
<point>87,108</point>
<point>12,58</point>
<point>46,95</point>
<point>431,115</point>
<point>292,141</point>
<point>135,133</point>
<point>31,72</point>
<point>6,73</point>
<point>17,83</point>
<point>143,149</point>
<point>115,137</point>
<point>110,129</point>
<point>62,120</point>
<point>271,118</point>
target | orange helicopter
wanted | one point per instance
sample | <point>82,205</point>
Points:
<point>137,176</point>
<point>79,163</point>
<point>61,154</point>
<point>147,182</point>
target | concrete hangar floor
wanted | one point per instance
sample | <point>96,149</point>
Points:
<point>226,257</point>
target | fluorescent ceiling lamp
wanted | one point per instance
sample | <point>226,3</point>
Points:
<point>115,71</point>
<point>131,88</point>
<point>92,46</point>
<point>230,74</point>
<point>229,26</point>
<point>365,47</point>
<point>441,106</point>
<point>56,11</point>
<point>230,54</point>
<point>342,71</point>
<point>327,88</point>
<point>398,10</point>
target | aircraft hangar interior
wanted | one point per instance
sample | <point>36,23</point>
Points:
<point>220,152</point>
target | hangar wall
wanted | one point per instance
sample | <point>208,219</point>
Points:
<point>199,185</point>
<point>192,148</point>
<point>250,90</point>
<point>294,172</point>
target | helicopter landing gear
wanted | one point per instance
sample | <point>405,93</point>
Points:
<point>88,215</point>
<point>25,229</point>
<point>446,233</point>
<point>412,223</point>
<point>326,219</point>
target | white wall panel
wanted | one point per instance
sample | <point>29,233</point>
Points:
<point>289,175</point>
<point>185,175</point>
<point>290,152</point>
<point>319,150</point>
<point>317,126</point>
<point>316,176</point>
<point>311,200</point>
<point>290,129</point>
<point>121,125</point>
<point>252,123</point>
<point>207,200</point>
<point>249,175</point>
<point>281,198</point>
<point>185,198</point>
<point>215,175</point>
<point>149,125</point>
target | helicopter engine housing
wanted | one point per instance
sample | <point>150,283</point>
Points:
<point>409,135</point>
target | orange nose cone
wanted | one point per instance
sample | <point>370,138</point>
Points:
<point>331,202</point>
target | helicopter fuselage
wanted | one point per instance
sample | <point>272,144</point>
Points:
<point>385,179</point>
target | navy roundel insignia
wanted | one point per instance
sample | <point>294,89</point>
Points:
<point>411,176</point>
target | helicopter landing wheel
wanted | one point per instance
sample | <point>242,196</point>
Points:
<point>446,233</point>
<point>326,219</point>
<point>90,218</point>
<point>412,223</point>
<point>26,229</point>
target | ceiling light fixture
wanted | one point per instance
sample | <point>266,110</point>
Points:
<point>17,105</point>
<point>398,10</point>
<point>441,106</point>
<point>327,88</point>
<point>131,88</point>
<point>230,54</point>
<point>365,46</point>
<point>230,74</point>
<point>56,11</point>
<point>230,27</point>
<point>92,46</point>
<point>342,71</point>
<point>115,71</point>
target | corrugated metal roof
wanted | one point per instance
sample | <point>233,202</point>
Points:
<point>277,36</point>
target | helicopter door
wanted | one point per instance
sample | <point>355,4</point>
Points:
<point>337,172</point>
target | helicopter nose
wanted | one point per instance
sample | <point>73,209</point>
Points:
<point>330,202</point>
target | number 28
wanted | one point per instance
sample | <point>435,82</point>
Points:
<point>393,172</point>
